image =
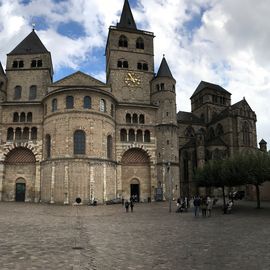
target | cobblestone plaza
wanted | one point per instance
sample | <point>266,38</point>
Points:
<point>41,236</point>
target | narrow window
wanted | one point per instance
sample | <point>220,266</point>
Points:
<point>135,118</point>
<point>17,92</point>
<point>33,133</point>
<point>102,105</point>
<point>131,135</point>
<point>157,87</point>
<point>123,135</point>
<point>15,64</point>
<point>39,63</point>
<point>162,86</point>
<point>18,134</point>
<point>10,134</point>
<point>48,145</point>
<point>69,102</point>
<point>29,117</point>
<point>246,137</point>
<point>15,117</point>
<point>33,63</point>
<point>125,64</point>
<point>128,118</point>
<point>139,43</point>
<point>139,136</point>
<point>119,64</point>
<point>54,105</point>
<point>109,147</point>
<point>87,102</point>
<point>25,134</point>
<point>145,66</point>
<point>21,64</point>
<point>139,65</point>
<point>141,119</point>
<point>147,136</point>
<point>22,117</point>
<point>33,92</point>
<point>79,142</point>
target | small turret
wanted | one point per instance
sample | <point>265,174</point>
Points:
<point>263,145</point>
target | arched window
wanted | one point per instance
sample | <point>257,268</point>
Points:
<point>139,136</point>
<point>29,117</point>
<point>141,119</point>
<point>102,105</point>
<point>22,117</point>
<point>33,133</point>
<point>17,92</point>
<point>131,135</point>
<point>123,135</point>
<point>125,64</point>
<point>25,135</point>
<point>79,142</point>
<point>48,146</point>
<point>15,117</point>
<point>18,134</point>
<point>135,118</point>
<point>189,132</point>
<point>21,64</point>
<point>246,135</point>
<point>54,105</point>
<point>147,136</point>
<point>122,63</point>
<point>15,64</point>
<point>109,146</point>
<point>219,130</point>
<point>128,118</point>
<point>69,102</point>
<point>139,43</point>
<point>10,134</point>
<point>123,42</point>
<point>87,102</point>
<point>33,92</point>
<point>139,65</point>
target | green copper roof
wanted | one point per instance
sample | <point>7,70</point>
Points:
<point>30,45</point>
<point>126,20</point>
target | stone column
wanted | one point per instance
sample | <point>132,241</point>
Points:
<point>52,183</point>
<point>119,181</point>
<point>37,183</point>
<point>1,180</point>
<point>91,183</point>
<point>153,181</point>
<point>66,184</point>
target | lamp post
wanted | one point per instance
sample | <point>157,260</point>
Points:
<point>170,186</point>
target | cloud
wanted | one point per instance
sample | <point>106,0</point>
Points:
<point>220,41</point>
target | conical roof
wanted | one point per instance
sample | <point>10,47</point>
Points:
<point>262,141</point>
<point>127,20</point>
<point>30,45</point>
<point>164,70</point>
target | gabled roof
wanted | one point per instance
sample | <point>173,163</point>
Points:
<point>164,70</point>
<point>206,85</point>
<point>241,104</point>
<point>78,79</point>
<point>126,20</point>
<point>30,45</point>
<point>188,117</point>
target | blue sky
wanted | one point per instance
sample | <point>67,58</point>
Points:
<point>221,41</point>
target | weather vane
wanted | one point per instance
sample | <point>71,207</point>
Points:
<point>33,26</point>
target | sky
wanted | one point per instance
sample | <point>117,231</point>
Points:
<point>225,42</point>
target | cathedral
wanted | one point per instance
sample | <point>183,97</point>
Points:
<point>81,138</point>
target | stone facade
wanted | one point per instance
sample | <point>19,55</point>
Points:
<point>82,138</point>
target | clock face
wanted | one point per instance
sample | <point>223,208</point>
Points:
<point>132,79</point>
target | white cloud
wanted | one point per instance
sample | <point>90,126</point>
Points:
<point>227,45</point>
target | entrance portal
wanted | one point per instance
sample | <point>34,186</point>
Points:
<point>135,192</point>
<point>20,192</point>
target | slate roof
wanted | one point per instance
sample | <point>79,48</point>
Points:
<point>127,20</point>
<point>262,141</point>
<point>164,70</point>
<point>241,103</point>
<point>188,117</point>
<point>30,45</point>
<point>203,85</point>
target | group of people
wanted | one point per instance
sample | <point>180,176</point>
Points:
<point>129,204</point>
<point>205,204</point>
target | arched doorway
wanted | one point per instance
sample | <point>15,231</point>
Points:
<point>20,190</point>
<point>136,177</point>
<point>135,190</point>
<point>20,175</point>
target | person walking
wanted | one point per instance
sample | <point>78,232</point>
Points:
<point>196,203</point>
<point>127,206</point>
<point>204,206</point>
<point>131,206</point>
<point>209,206</point>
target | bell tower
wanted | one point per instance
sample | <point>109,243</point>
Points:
<point>129,60</point>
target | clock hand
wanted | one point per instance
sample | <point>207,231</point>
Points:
<point>131,77</point>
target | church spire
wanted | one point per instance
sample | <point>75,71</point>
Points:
<point>164,70</point>
<point>127,20</point>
